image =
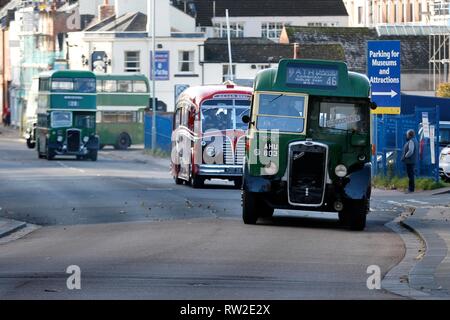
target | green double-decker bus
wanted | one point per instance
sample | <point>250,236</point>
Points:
<point>121,103</point>
<point>308,146</point>
<point>66,115</point>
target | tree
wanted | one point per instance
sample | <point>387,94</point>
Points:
<point>443,90</point>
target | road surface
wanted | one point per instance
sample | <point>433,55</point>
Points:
<point>136,235</point>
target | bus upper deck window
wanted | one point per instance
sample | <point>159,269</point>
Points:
<point>139,86</point>
<point>62,85</point>
<point>110,86</point>
<point>124,86</point>
<point>85,85</point>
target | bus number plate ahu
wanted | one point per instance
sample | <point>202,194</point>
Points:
<point>312,76</point>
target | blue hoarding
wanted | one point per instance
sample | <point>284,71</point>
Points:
<point>161,65</point>
<point>383,70</point>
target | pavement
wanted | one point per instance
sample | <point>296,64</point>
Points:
<point>424,272</point>
<point>9,226</point>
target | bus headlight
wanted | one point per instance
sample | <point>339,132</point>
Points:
<point>211,151</point>
<point>85,139</point>
<point>60,139</point>
<point>270,169</point>
<point>340,170</point>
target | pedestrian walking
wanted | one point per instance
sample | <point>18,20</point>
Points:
<point>7,118</point>
<point>409,157</point>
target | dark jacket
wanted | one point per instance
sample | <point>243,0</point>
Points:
<point>410,151</point>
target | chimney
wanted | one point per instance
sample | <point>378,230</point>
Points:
<point>105,10</point>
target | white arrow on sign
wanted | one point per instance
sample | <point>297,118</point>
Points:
<point>392,93</point>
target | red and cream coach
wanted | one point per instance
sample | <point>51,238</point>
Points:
<point>208,138</point>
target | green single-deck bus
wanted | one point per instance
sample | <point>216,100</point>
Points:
<point>66,115</point>
<point>121,102</point>
<point>308,146</point>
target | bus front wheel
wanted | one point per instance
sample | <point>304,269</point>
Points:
<point>123,141</point>
<point>249,207</point>
<point>30,145</point>
<point>355,214</point>
<point>93,155</point>
<point>50,154</point>
<point>197,182</point>
<point>38,148</point>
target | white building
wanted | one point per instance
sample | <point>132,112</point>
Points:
<point>369,13</point>
<point>263,18</point>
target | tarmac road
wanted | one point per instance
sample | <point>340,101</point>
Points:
<point>137,235</point>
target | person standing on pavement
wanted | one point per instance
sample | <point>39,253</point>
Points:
<point>7,118</point>
<point>409,157</point>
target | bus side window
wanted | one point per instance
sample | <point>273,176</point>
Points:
<point>99,86</point>
<point>99,117</point>
<point>44,85</point>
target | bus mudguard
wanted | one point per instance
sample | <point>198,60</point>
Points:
<point>359,183</point>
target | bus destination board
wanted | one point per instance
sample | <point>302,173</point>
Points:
<point>320,77</point>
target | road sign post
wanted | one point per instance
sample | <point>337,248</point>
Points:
<point>383,70</point>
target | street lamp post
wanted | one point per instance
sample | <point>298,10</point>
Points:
<point>154,76</point>
<point>151,12</point>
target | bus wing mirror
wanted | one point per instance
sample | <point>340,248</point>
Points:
<point>246,119</point>
<point>373,105</point>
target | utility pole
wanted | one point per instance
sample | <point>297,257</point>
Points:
<point>230,58</point>
<point>151,13</point>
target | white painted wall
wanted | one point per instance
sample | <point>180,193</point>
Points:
<point>214,71</point>
<point>125,6</point>
<point>252,25</point>
<point>180,21</point>
<point>90,6</point>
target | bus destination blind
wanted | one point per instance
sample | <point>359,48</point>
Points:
<point>312,76</point>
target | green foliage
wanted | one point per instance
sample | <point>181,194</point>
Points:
<point>394,183</point>
<point>443,90</point>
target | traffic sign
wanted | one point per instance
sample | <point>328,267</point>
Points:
<point>384,70</point>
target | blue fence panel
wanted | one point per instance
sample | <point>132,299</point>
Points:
<point>391,136</point>
<point>163,131</point>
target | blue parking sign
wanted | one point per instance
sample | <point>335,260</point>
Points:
<point>384,70</point>
<point>161,65</point>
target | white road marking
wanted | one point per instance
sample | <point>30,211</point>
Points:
<point>396,203</point>
<point>416,201</point>
<point>69,167</point>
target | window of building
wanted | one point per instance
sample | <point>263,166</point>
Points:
<point>132,61</point>
<point>411,12</point>
<point>380,14</point>
<point>225,75</point>
<point>186,61</point>
<point>360,15</point>
<point>236,30</point>
<point>395,13</point>
<point>271,30</point>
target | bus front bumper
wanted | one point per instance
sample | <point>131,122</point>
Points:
<point>219,170</point>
